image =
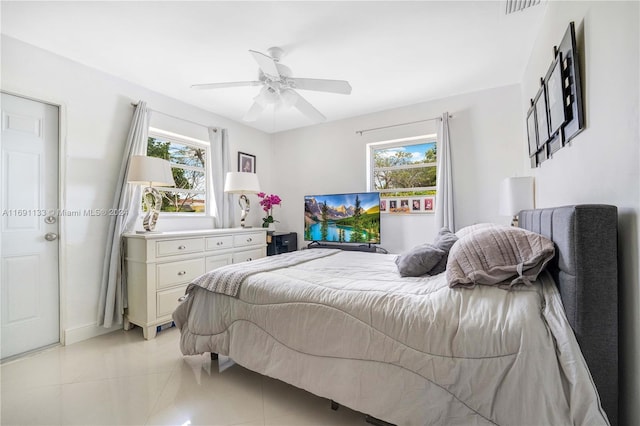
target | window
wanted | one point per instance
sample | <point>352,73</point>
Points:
<point>403,167</point>
<point>188,164</point>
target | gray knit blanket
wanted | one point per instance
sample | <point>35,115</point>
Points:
<point>228,279</point>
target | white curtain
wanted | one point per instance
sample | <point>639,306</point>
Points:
<point>127,198</point>
<point>219,163</point>
<point>444,184</point>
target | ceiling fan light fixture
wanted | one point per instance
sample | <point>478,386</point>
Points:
<point>267,96</point>
<point>278,87</point>
<point>288,97</point>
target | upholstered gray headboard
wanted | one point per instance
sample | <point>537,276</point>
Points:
<point>586,272</point>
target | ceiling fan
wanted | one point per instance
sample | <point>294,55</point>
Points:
<point>278,87</point>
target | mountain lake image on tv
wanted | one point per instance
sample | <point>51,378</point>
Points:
<point>342,218</point>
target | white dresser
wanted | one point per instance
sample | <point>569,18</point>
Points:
<point>160,265</point>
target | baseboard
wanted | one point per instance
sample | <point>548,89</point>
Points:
<point>84,332</point>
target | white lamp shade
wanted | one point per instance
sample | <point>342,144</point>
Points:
<point>241,183</point>
<point>150,171</point>
<point>516,194</point>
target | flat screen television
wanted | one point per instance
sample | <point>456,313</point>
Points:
<point>342,218</point>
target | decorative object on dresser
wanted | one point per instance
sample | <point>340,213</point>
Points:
<point>557,110</point>
<point>281,242</point>
<point>159,267</point>
<point>267,202</point>
<point>150,171</point>
<point>516,194</point>
<point>242,183</point>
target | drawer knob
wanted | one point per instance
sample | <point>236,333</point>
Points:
<point>181,247</point>
<point>249,240</point>
<point>219,243</point>
<point>182,272</point>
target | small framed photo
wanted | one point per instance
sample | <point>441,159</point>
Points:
<point>383,205</point>
<point>429,204</point>
<point>415,205</point>
<point>555,96</point>
<point>540,104</point>
<point>246,162</point>
<point>532,133</point>
<point>404,206</point>
<point>393,206</point>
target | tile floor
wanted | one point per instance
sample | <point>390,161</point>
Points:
<point>121,379</point>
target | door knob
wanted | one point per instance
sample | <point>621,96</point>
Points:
<point>50,236</point>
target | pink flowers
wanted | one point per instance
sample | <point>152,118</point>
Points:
<point>267,202</point>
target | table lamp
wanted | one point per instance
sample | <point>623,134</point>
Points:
<point>516,194</point>
<point>242,183</point>
<point>150,171</point>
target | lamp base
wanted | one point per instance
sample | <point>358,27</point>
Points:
<point>244,205</point>
<point>153,203</point>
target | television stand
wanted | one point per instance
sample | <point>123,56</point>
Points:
<point>369,248</point>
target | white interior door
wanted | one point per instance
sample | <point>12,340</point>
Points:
<point>29,246</point>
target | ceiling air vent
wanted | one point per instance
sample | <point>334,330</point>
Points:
<point>519,5</point>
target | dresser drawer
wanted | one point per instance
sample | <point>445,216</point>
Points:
<point>247,255</point>
<point>182,246</point>
<point>167,300</point>
<point>174,273</point>
<point>219,243</point>
<point>249,239</point>
<point>213,262</point>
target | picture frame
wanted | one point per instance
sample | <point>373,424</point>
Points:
<point>419,204</point>
<point>542,121</point>
<point>555,96</point>
<point>246,162</point>
<point>574,107</point>
<point>532,132</point>
<point>429,204</point>
<point>404,206</point>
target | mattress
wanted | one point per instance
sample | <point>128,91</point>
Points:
<point>410,351</point>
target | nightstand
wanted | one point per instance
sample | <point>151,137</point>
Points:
<point>160,266</point>
<point>281,242</point>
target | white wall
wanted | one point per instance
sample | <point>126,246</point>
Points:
<point>601,165</point>
<point>487,146</point>
<point>97,114</point>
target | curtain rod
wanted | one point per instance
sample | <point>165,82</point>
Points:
<point>360,132</point>
<point>215,129</point>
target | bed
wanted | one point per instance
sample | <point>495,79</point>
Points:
<point>412,351</point>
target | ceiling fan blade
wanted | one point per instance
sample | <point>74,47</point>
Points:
<point>223,85</point>
<point>334,86</point>
<point>253,113</point>
<point>266,63</point>
<point>305,107</point>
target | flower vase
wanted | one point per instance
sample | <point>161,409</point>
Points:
<point>271,227</point>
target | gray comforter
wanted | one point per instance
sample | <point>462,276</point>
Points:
<point>407,350</point>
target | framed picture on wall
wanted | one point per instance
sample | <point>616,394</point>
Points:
<point>540,104</point>
<point>429,204</point>
<point>555,95</point>
<point>246,162</point>
<point>532,133</point>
